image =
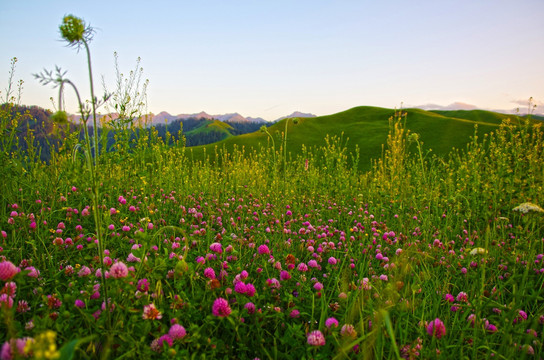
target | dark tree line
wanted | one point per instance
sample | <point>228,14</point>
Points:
<point>47,136</point>
<point>203,138</point>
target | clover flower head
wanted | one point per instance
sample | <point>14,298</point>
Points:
<point>436,328</point>
<point>331,322</point>
<point>118,270</point>
<point>316,338</point>
<point>177,332</point>
<point>7,270</point>
<point>221,308</point>
<point>348,330</point>
<point>151,312</point>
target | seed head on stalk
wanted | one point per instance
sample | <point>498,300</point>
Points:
<point>75,31</point>
<point>77,34</point>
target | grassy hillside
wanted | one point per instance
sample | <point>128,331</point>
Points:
<point>367,128</point>
<point>212,126</point>
<point>480,116</point>
<point>208,132</point>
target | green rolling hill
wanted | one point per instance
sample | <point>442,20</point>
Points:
<point>208,131</point>
<point>212,126</point>
<point>368,127</point>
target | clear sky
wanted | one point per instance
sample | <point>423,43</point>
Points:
<point>270,58</point>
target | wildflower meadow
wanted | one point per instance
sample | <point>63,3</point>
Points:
<point>276,253</point>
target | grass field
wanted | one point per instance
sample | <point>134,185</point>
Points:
<point>280,251</point>
<point>250,259</point>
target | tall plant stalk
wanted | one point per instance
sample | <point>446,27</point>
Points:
<point>93,102</point>
<point>295,121</point>
<point>76,33</point>
<point>265,130</point>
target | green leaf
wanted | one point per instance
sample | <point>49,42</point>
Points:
<point>67,351</point>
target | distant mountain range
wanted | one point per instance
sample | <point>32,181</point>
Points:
<point>164,116</point>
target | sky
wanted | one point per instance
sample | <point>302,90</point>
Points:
<point>270,58</point>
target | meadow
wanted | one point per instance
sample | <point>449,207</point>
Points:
<point>273,253</point>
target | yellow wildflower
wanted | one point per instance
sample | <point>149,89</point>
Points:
<point>478,251</point>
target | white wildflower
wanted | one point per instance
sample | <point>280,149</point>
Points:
<point>527,206</point>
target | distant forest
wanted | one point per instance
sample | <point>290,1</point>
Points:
<point>36,122</point>
<point>203,138</point>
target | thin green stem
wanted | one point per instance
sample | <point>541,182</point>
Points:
<point>273,143</point>
<point>285,147</point>
<point>421,160</point>
<point>93,102</point>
